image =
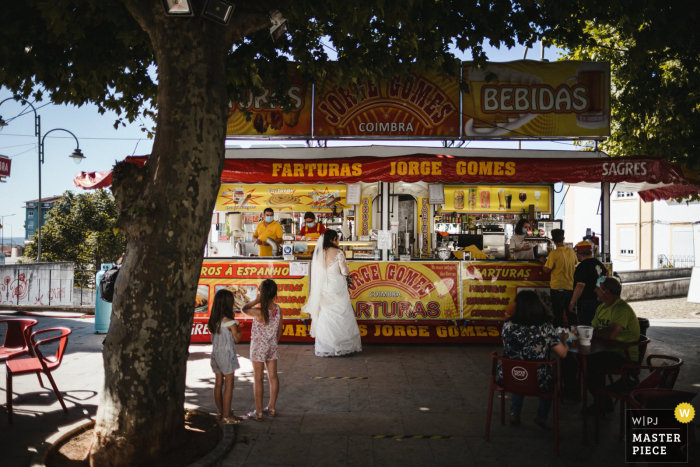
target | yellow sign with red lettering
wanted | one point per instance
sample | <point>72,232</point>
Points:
<point>422,105</point>
<point>489,289</point>
<point>321,198</point>
<point>529,98</point>
<point>243,279</point>
<point>400,290</point>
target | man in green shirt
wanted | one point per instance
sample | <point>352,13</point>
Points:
<point>614,320</point>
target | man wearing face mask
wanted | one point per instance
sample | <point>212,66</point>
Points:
<point>268,228</point>
<point>311,229</point>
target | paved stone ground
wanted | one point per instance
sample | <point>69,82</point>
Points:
<point>666,308</point>
<point>409,390</point>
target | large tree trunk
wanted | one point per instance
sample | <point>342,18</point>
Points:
<point>165,210</point>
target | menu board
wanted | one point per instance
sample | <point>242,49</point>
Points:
<point>497,198</point>
<point>286,198</point>
<point>489,289</point>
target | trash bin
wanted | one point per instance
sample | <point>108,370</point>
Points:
<point>643,326</point>
<point>103,310</point>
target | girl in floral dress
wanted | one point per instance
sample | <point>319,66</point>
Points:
<point>265,334</point>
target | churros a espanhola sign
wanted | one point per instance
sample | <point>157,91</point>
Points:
<point>422,105</point>
<point>529,98</point>
<point>489,289</point>
<point>400,290</point>
<point>255,198</point>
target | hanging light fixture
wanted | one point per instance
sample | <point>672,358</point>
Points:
<point>178,8</point>
<point>220,11</point>
<point>77,156</point>
<point>279,25</point>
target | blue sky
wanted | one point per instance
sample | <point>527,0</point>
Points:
<point>103,145</point>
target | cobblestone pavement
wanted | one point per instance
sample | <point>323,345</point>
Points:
<point>416,390</point>
<point>666,308</point>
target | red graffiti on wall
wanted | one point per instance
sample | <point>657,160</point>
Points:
<point>12,290</point>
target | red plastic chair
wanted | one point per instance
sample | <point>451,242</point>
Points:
<point>25,366</point>
<point>662,375</point>
<point>16,337</point>
<point>642,346</point>
<point>520,377</point>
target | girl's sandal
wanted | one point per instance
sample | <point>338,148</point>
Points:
<point>270,413</point>
<point>231,421</point>
<point>258,417</point>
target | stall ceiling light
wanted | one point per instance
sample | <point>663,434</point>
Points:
<point>220,11</point>
<point>178,8</point>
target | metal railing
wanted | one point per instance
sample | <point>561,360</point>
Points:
<point>676,261</point>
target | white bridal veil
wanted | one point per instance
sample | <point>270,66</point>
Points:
<point>316,282</point>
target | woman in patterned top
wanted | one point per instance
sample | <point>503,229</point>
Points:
<point>264,336</point>
<point>529,335</point>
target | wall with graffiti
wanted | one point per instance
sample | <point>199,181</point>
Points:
<point>36,284</point>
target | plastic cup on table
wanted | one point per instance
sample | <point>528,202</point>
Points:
<point>585,334</point>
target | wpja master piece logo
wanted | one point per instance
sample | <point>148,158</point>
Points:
<point>658,435</point>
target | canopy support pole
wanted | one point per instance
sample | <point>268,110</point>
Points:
<point>386,225</point>
<point>605,221</point>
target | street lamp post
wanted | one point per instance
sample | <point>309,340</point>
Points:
<point>77,157</point>
<point>2,224</point>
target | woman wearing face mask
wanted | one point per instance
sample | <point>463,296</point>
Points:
<point>311,229</point>
<point>519,248</point>
<point>268,228</point>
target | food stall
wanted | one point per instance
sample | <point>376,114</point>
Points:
<point>409,285</point>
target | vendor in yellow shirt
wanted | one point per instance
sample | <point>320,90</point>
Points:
<point>268,228</point>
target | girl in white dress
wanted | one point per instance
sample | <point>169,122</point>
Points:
<point>333,321</point>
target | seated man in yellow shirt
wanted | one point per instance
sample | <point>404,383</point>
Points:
<point>268,228</point>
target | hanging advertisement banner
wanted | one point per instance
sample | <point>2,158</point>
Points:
<point>365,215</point>
<point>400,290</point>
<point>272,121</point>
<point>424,105</point>
<point>5,166</point>
<point>528,98</point>
<point>424,223</point>
<point>321,198</point>
<point>489,289</point>
<point>496,198</point>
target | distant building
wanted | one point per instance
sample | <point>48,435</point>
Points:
<point>31,222</point>
<point>642,235</point>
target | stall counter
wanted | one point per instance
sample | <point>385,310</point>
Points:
<point>394,301</point>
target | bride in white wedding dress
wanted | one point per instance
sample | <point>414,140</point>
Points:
<point>333,321</point>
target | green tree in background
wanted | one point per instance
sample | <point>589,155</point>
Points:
<point>81,229</point>
<point>654,52</point>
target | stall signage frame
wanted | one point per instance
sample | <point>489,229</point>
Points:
<point>287,198</point>
<point>436,193</point>
<point>353,193</point>
<point>271,122</point>
<point>532,99</point>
